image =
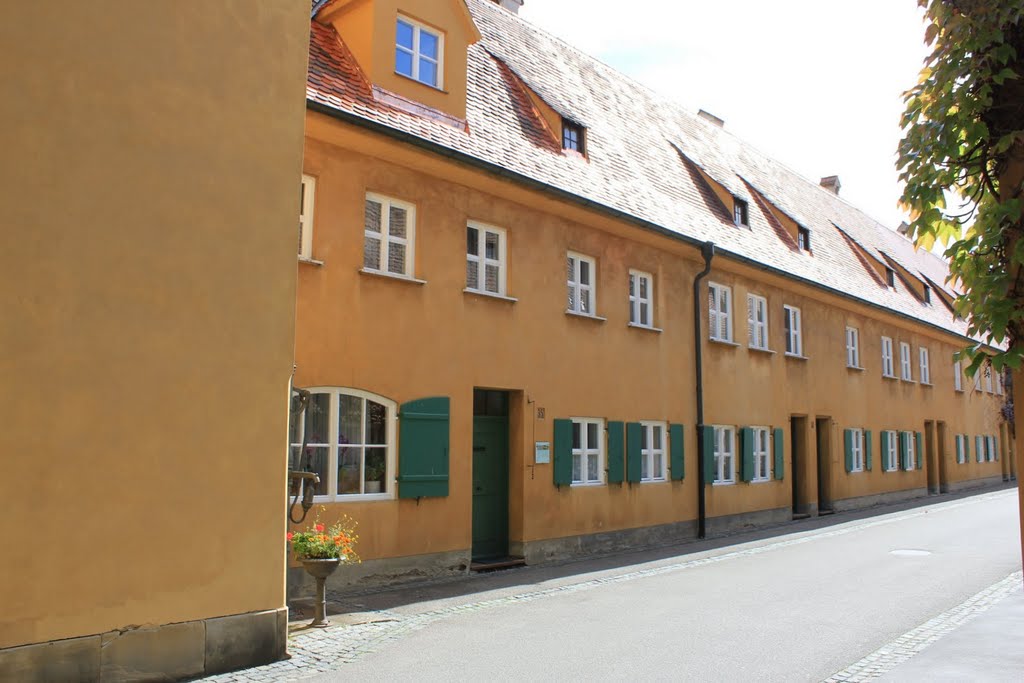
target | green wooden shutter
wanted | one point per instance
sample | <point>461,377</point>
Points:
<point>562,466</point>
<point>778,447</point>
<point>884,454</point>
<point>979,449</point>
<point>615,454</point>
<point>867,449</point>
<point>918,437</point>
<point>747,449</point>
<point>633,439</point>
<point>423,428</point>
<point>677,452</point>
<point>904,451</point>
<point>709,454</point>
<point>848,448</point>
<point>995,448</point>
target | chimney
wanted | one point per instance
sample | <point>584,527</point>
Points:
<point>831,183</point>
<point>904,227</point>
<point>511,5</point>
<point>708,116</point>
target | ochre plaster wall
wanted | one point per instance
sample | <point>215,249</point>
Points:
<point>152,154</point>
<point>405,341</point>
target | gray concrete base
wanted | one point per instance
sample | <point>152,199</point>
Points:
<point>373,575</point>
<point>167,652</point>
<point>746,521</point>
<point>974,483</point>
<point>604,543</point>
<point>879,499</point>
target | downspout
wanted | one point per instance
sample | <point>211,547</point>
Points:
<point>707,250</point>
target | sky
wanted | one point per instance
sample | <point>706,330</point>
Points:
<point>815,84</point>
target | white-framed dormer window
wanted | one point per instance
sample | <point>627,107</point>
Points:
<point>856,449</point>
<point>958,376</point>
<point>652,451</point>
<point>419,52</point>
<point>719,312</point>
<point>389,230</point>
<point>887,360</point>
<point>587,451</point>
<point>725,454</point>
<point>740,213</point>
<point>891,456</point>
<point>757,322</point>
<point>307,196</point>
<point>350,443</point>
<point>961,452</point>
<point>485,258</point>
<point>580,275</point>
<point>926,376</point>
<point>641,298</point>
<point>988,378</point>
<point>906,373</point>
<point>762,448</point>
<point>794,333</point>
<point>852,347</point>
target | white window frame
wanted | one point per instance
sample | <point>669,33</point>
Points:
<point>892,456</point>
<point>648,452</point>
<point>333,445</point>
<point>958,376</point>
<point>990,449</point>
<point>987,368</point>
<point>906,368</point>
<point>762,454</point>
<point>576,288</point>
<point>959,442</point>
<point>997,378</point>
<point>794,336</point>
<point>925,371</point>
<point>586,451</point>
<point>740,212</point>
<point>725,452</point>
<point>911,450</point>
<point>856,449</point>
<point>307,201</point>
<point>852,347</point>
<point>977,380</point>
<point>480,261</point>
<point>417,29</point>
<point>637,301</point>
<point>888,369</point>
<point>757,322</point>
<point>719,312</point>
<point>386,239</point>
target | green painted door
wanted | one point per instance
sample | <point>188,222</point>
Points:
<point>490,487</point>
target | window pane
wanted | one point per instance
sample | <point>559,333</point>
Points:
<point>643,314</point>
<point>570,269</point>
<point>396,258</point>
<point>428,44</point>
<point>591,435</point>
<point>349,462</point>
<point>643,438</point>
<point>632,285</point>
<point>472,241</point>
<point>403,34</point>
<point>472,275</point>
<point>657,437</point>
<point>397,217</point>
<point>576,427</point>
<point>592,468</point>
<point>577,468</point>
<point>350,419</point>
<point>643,288</point>
<point>491,274</point>
<point>584,273</point>
<point>658,471</point>
<point>376,424</point>
<point>572,298</point>
<point>491,239</point>
<point>428,72</point>
<point>317,417</point>
<point>403,62</point>
<point>375,469</point>
<point>372,214</point>
<point>316,461</point>
<point>645,472</point>
<point>585,301</point>
<point>371,253</point>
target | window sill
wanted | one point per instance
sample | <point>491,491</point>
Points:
<point>892,377</point>
<point>723,483</point>
<point>391,276</point>
<point>490,295</point>
<point>760,481</point>
<point>585,484</point>
<point>855,367</point>
<point>927,384</point>
<point>796,356</point>
<point>909,381</point>
<point>653,481</point>
<point>723,342</point>
<point>649,328</point>
<point>959,391</point>
<point>310,261</point>
<point>595,318</point>
<point>760,350</point>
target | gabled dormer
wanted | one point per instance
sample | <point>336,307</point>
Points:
<point>872,264</point>
<point>785,225</point>
<point>912,282</point>
<point>416,49</point>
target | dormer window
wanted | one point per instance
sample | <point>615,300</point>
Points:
<point>572,136</point>
<point>418,52</point>
<point>890,277</point>
<point>739,212</point>
<point>927,294</point>
<point>803,239</point>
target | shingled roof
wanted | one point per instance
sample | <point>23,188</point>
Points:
<point>645,155</point>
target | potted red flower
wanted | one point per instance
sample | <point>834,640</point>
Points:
<point>322,549</point>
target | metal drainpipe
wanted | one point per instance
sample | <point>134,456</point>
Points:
<point>707,250</point>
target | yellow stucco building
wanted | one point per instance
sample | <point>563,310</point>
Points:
<point>552,313</point>
<point>147,258</point>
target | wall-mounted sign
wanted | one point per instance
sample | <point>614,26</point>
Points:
<point>542,452</point>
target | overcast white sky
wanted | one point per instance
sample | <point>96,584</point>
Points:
<point>816,84</point>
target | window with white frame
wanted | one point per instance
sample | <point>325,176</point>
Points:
<point>961,452</point>
<point>307,194</point>
<point>998,379</point>
<point>852,347</point>
<point>587,451</point>
<point>958,376</point>
<point>977,380</point>
<point>911,450</point>
<point>990,448</point>
<point>856,450</point>
<point>887,361</point>
<point>652,451</point>
<point>349,438</point>
<point>725,455</point>
<point>926,375</point>
<point>641,297</point>
<point>988,378</point>
<point>580,272</point>
<point>418,52</point>
<point>891,451</point>
<point>719,312</point>
<point>794,333</point>
<point>485,258</point>
<point>389,231</point>
<point>762,462</point>
<point>739,212</point>
<point>757,322</point>
<point>906,373</point>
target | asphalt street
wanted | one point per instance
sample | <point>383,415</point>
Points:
<point>795,606</point>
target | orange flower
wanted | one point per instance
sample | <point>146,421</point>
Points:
<point>337,542</point>
<point>290,535</point>
<point>319,527</point>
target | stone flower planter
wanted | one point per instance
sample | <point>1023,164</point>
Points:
<point>320,569</point>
